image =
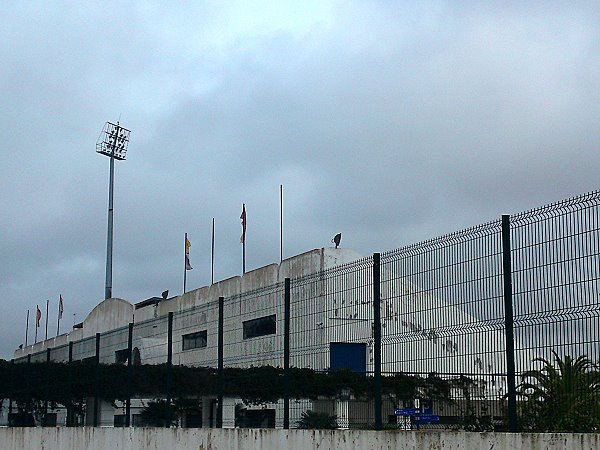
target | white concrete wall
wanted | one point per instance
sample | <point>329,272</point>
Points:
<point>108,315</point>
<point>247,439</point>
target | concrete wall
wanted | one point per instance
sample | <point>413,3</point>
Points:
<point>108,315</point>
<point>247,439</point>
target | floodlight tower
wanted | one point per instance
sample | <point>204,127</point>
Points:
<point>113,143</point>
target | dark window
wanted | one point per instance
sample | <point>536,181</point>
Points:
<point>260,418</point>
<point>21,419</point>
<point>348,355</point>
<point>119,420</point>
<point>194,340</point>
<point>260,327</point>
<point>193,420</point>
<point>121,356</point>
<point>136,358</point>
<point>136,420</point>
<point>50,420</point>
<point>254,418</point>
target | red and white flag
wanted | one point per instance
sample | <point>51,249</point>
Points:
<point>38,317</point>
<point>243,218</point>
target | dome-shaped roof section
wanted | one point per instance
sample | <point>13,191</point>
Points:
<point>108,315</point>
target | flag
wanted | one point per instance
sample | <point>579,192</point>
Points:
<point>38,317</point>
<point>188,265</point>
<point>60,307</point>
<point>243,218</point>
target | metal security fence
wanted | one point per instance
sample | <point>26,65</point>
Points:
<point>556,298</point>
<point>495,327</point>
<point>331,325</point>
<point>443,293</point>
<point>556,279</point>
<point>443,312</point>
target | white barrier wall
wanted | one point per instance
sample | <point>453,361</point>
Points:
<point>247,439</point>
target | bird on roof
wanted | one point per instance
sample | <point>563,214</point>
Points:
<point>336,240</point>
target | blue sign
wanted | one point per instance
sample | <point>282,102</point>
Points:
<point>426,418</point>
<point>412,411</point>
<point>407,411</point>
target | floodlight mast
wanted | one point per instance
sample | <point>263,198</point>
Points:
<point>113,143</point>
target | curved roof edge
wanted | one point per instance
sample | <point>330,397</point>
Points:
<point>108,315</point>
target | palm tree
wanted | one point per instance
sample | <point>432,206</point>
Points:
<point>561,398</point>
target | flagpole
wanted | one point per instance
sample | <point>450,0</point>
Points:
<point>59,314</point>
<point>244,219</point>
<point>27,330</point>
<point>212,257</point>
<point>47,306</point>
<point>184,263</point>
<point>37,308</point>
<point>280,222</point>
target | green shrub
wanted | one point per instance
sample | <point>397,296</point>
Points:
<point>313,420</point>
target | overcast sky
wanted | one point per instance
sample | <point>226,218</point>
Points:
<point>391,122</point>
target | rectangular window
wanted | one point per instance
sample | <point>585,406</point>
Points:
<point>348,355</point>
<point>121,356</point>
<point>50,420</point>
<point>193,420</point>
<point>119,420</point>
<point>257,418</point>
<point>260,327</point>
<point>194,340</point>
<point>136,420</point>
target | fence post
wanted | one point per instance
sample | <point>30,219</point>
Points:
<point>97,382</point>
<point>220,371</point>
<point>28,384</point>
<point>169,369</point>
<point>286,356</point>
<point>47,387</point>
<point>12,388</point>
<point>509,324</point>
<point>377,338</point>
<point>70,387</point>
<point>129,375</point>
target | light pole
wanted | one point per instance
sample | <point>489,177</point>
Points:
<point>112,142</point>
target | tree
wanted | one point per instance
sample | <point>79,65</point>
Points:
<point>561,397</point>
<point>473,391</point>
<point>313,420</point>
<point>156,412</point>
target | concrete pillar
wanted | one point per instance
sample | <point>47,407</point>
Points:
<point>341,411</point>
<point>206,412</point>
<point>228,412</point>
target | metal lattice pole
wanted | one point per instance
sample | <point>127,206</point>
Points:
<point>113,143</point>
